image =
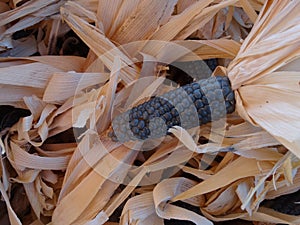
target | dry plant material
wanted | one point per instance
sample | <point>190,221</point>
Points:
<point>79,182</point>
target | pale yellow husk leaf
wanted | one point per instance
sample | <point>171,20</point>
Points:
<point>65,92</point>
<point>29,76</point>
<point>265,97</point>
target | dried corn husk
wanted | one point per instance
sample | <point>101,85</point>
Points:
<point>71,92</point>
<point>262,92</point>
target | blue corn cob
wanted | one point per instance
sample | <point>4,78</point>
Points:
<point>188,106</point>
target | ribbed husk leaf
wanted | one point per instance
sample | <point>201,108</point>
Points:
<point>265,96</point>
<point>262,72</point>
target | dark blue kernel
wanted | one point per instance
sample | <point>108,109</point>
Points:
<point>168,116</point>
<point>145,115</point>
<point>197,94</point>
<point>143,134</point>
<point>130,116</point>
<point>147,106</point>
<point>227,104</point>
<point>199,116</point>
<point>225,83</point>
<point>226,90</point>
<point>195,86</point>
<point>185,103</point>
<point>174,112</point>
<point>164,119</point>
<point>230,109</point>
<point>162,101</point>
<point>140,113</point>
<point>166,108</point>
<point>135,130</point>
<point>204,120</point>
<point>156,105</point>
<point>189,90</point>
<point>150,110</point>
<point>209,117</point>
<point>204,100</point>
<point>203,113</point>
<point>134,122</point>
<point>230,97</point>
<point>219,78</point>
<point>207,108</point>
<point>169,124</point>
<point>192,98</point>
<point>170,103</point>
<point>156,113</point>
<point>140,107</point>
<point>156,100</point>
<point>177,120</point>
<point>161,111</point>
<point>152,103</point>
<point>141,124</point>
<point>199,104</point>
<point>135,115</point>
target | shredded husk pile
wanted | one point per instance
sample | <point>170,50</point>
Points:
<point>85,181</point>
